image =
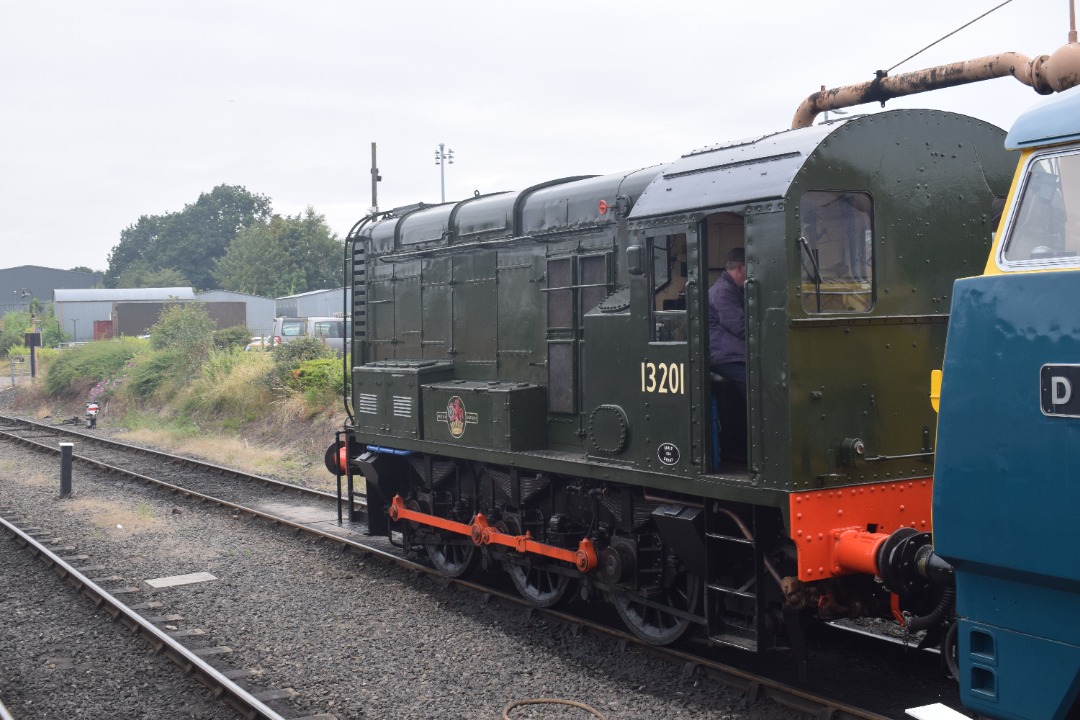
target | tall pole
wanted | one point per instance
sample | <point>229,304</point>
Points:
<point>443,156</point>
<point>375,178</point>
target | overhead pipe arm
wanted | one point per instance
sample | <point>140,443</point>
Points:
<point>1045,73</point>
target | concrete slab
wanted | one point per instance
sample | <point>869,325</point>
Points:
<point>180,580</point>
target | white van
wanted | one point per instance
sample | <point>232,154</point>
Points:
<point>333,331</point>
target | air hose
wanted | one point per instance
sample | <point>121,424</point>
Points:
<point>915,623</point>
<point>551,701</point>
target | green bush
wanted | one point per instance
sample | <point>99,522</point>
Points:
<point>86,365</point>
<point>187,330</point>
<point>15,325</point>
<point>238,336</point>
<point>231,385</point>
<point>150,370</point>
<point>319,375</point>
<point>288,357</point>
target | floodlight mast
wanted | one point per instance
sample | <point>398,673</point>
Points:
<point>443,157</point>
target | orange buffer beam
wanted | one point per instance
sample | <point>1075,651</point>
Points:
<point>838,531</point>
<point>584,558</point>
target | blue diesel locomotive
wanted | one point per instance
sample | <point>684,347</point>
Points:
<point>1007,482</point>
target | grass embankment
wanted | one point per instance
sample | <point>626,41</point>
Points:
<point>272,413</point>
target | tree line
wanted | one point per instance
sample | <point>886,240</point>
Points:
<point>228,239</point>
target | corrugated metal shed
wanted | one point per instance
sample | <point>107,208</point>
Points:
<point>19,284</point>
<point>260,310</point>
<point>313,303</point>
<point>78,310</point>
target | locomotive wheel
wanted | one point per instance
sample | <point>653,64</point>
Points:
<point>540,587</point>
<point>451,559</point>
<point>651,621</point>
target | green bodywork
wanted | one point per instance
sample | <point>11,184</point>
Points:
<point>543,306</point>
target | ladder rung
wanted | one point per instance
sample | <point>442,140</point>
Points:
<point>729,538</point>
<point>733,591</point>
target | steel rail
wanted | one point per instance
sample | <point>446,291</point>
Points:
<point>240,699</point>
<point>276,520</point>
<point>166,457</point>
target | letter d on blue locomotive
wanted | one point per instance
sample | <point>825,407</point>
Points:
<point>1059,390</point>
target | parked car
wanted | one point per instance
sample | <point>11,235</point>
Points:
<point>259,344</point>
<point>333,331</point>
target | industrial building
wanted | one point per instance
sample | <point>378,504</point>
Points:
<point>313,303</point>
<point>19,285</point>
<point>88,314</point>
<point>260,310</point>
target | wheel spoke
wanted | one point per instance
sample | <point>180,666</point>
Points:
<point>542,588</point>
<point>452,560</point>
<point>655,625</point>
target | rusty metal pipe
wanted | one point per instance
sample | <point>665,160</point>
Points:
<point>1026,70</point>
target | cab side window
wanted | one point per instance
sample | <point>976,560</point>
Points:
<point>1042,226</point>
<point>836,246</point>
<point>667,275</point>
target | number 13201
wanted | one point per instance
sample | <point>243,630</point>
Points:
<point>663,378</point>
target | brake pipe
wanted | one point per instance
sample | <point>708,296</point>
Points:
<point>482,533</point>
<point>388,451</point>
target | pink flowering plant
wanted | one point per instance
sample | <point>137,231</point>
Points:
<point>105,388</point>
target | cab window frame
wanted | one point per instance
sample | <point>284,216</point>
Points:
<point>1016,216</point>
<point>667,325</point>
<point>822,290</point>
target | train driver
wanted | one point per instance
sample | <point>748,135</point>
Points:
<point>727,321</point>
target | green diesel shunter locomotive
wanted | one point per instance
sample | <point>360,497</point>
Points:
<point>531,382</point>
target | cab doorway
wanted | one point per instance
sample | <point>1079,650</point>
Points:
<point>725,402</point>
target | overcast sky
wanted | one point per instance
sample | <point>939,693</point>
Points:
<point>115,109</point>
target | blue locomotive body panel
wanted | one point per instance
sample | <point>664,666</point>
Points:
<point>1007,490</point>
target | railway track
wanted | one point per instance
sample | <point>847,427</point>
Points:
<point>301,510</point>
<point>160,640</point>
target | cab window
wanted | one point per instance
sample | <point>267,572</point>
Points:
<point>667,275</point>
<point>1045,224</point>
<point>837,252</point>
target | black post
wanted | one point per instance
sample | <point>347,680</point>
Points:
<point>65,469</point>
<point>32,340</point>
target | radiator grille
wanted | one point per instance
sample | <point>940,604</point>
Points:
<point>367,403</point>
<point>402,406</point>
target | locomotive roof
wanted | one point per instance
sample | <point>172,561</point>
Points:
<point>727,175</point>
<point>733,172</point>
<point>1051,121</point>
<point>567,205</point>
